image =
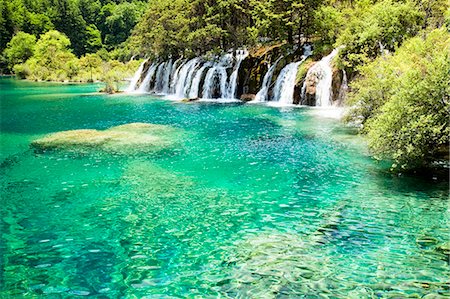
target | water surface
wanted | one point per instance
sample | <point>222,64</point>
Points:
<point>249,202</point>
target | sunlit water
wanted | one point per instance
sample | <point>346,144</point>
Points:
<point>250,202</point>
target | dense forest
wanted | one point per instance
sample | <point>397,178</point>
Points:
<point>396,53</point>
<point>93,30</point>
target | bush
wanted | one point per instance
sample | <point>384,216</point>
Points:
<point>374,29</point>
<point>403,101</point>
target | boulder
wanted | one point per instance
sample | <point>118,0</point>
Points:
<point>187,100</point>
<point>310,89</point>
<point>247,97</point>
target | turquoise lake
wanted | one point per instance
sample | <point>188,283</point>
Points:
<point>248,201</point>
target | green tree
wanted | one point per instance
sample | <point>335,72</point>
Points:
<point>67,18</point>
<point>52,59</point>
<point>403,101</point>
<point>90,61</point>
<point>20,48</point>
<point>93,39</point>
<point>118,20</point>
<point>375,29</point>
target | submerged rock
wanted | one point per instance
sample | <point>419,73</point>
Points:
<point>129,138</point>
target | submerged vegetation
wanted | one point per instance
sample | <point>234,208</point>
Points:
<point>129,139</point>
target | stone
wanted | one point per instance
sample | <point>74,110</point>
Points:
<point>187,100</point>
<point>247,97</point>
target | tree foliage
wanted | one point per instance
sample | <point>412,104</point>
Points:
<point>376,29</point>
<point>52,59</point>
<point>20,48</point>
<point>403,101</point>
<point>89,24</point>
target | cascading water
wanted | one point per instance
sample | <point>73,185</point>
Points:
<point>216,78</point>
<point>195,86</point>
<point>166,77</point>
<point>232,86</point>
<point>185,78</point>
<point>189,79</point>
<point>176,71</point>
<point>262,94</point>
<point>145,85</point>
<point>322,74</point>
<point>159,77</point>
<point>183,74</point>
<point>136,77</point>
<point>284,87</point>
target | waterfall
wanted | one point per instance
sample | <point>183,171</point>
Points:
<point>189,78</point>
<point>183,74</point>
<point>285,84</point>
<point>184,78</point>
<point>217,74</point>
<point>284,87</point>
<point>213,76</point>
<point>136,77</point>
<point>176,71</point>
<point>262,94</point>
<point>145,85</point>
<point>322,74</point>
<point>195,86</point>
<point>166,77</point>
<point>159,77</point>
<point>232,86</point>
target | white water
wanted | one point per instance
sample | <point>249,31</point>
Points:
<point>217,74</point>
<point>283,91</point>
<point>262,94</point>
<point>182,76</point>
<point>232,86</point>
<point>144,87</point>
<point>189,79</point>
<point>159,77</point>
<point>166,77</point>
<point>195,86</point>
<point>284,87</point>
<point>213,76</point>
<point>176,71</point>
<point>324,74</point>
<point>135,79</point>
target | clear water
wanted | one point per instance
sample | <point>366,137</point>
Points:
<point>251,202</point>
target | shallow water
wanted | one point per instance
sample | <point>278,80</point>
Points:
<point>250,202</point>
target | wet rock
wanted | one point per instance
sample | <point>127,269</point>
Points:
<point>247,97</point>
<point>310,89</point>
<point>187,100</point>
